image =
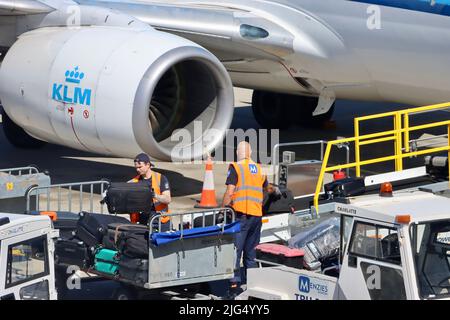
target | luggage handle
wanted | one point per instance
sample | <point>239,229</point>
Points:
<point>116,232</point>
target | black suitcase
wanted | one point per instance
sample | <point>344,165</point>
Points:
<point>92,227</point>
<point>66,223</point>
<point>437,167</point>
<point>348,187</point>
<point>135,270</point>
<point>131,240</point>
<point>116,230</point>
<point>124,198</point>
<point>282,204</point>
<point>198,222</point>
<point>73,252</point>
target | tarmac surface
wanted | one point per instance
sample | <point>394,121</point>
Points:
<point>67,165</point>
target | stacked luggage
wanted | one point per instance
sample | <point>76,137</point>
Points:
<point>109,244</point>
<point>107,261</point>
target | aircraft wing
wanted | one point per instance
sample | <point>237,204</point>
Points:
<point>22,7</point>
<point>232,34</point>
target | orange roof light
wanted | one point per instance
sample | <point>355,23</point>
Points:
<point>404,219</point>
<point>386,190</point>
<point>52,214</point>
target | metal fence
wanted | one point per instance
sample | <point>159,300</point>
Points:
<point>71,197</point>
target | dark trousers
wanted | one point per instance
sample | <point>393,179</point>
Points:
<point>246,242</point>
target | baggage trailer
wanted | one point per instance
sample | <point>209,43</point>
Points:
<point>14,185</point>
<point>393,244</point>
<point>26,257</point>
<point>176,260</point>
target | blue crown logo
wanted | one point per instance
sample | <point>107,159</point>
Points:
<point>74,76</point>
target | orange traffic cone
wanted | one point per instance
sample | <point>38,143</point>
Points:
<point>208,199</point>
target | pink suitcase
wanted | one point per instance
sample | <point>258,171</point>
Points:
<point>280,254</point>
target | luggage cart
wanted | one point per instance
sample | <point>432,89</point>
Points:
<point>180,259</point>
<point>193,255</point>
<point>14,185</point>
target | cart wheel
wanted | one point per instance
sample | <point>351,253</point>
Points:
<point>124,293</point>
<point>61,281</point>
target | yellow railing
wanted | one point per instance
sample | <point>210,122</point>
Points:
<point>400,135</point>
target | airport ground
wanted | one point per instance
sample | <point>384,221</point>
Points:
<point>68,165</point>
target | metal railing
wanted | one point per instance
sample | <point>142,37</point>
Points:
<point>18,171</point>
<point>66,194</point>
<point>400,135</point>
<point>322,143</point>
<point>156,220</point>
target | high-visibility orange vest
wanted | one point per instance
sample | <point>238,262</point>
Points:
<point>248,195</point>
<point>159,207</point>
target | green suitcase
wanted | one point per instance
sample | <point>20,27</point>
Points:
<point>107,261</point>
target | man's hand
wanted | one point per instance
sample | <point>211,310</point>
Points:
<point>274,191</point>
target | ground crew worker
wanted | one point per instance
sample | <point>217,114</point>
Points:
<point>159,185</point>
<point>244,193</point>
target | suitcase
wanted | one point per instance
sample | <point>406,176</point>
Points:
<point>280,254</point>
<point>131,240</point>
<point>348,187</point>
<point>116,230</point>
<point>107,261</point>
<point>198,222</point>
<point>70,252</point>
<point>437,167</point>
<point>129,197</point>
<point>135,270</point>
<point>283,204</point>
<point>92,227</point>
<point>66,223</point>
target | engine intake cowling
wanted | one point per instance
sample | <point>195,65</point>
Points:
<point>117,91</point>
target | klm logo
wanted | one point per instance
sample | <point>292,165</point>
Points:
<point>253,168</point>
<point>79,95</point>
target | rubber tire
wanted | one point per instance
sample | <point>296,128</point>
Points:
<point>125,292</point>
<point>17,136</point>
<point>270,111</point>
<point>61,277</point>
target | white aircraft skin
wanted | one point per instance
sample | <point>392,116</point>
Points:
<point>299,56</point>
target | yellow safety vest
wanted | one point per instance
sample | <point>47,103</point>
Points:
<point>156,182</point>
<point>248,195</point>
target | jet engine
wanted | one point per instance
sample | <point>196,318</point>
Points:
<point>117,91</point>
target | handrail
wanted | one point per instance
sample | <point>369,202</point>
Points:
<point>276,148</point>
<point>58,188</point>
<point>400,135</point>
<point>322,143</point>
<point>31,170</point>
<point>203,213</point>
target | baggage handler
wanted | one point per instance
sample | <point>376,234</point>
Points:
<point>244,193</point>
<point>160,187</point>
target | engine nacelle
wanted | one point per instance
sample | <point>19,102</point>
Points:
<point>116,91</point>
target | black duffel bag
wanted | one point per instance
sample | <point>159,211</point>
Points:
<point>281,203</point>
<point>348,187</point>
<point>124,198</point>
